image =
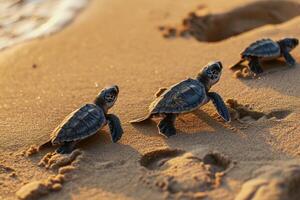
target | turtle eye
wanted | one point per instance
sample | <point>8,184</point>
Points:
<point>209,73</point>
<point>215,74</point>
<point>212,74</point>
<point>109,97</point>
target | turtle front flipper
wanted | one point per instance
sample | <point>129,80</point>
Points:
<point>166,126</point>
<point>220,105</point>
<point>255,66</point>
<point>289,58</point>
<point>115,127</point>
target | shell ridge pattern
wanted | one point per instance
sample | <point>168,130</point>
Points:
<point>80,124</point>
<point>182,97</point>
<point>262,48</point>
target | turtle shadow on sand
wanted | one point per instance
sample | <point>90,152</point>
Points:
<point>216,27</point>
<point>232,133</point>
<point>209,120</point>
<point>93,142</point>
<point>148,127</point>
<point>102,137</point>
<point>196,122</point>
<point>277,75</point>
<point>270,67</point>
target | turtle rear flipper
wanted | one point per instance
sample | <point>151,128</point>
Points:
<point>238,64</point>
<point>255,66</point>
<point>220,105</point>
<point>142,119</point>
<point>115,127</point>
<point>45,145</point>
<point>66,148</point>
<point>166,126</point>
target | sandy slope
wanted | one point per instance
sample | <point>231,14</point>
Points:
<point>113,42</point>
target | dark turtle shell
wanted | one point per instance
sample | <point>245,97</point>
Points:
<point>263,49</point>
<point>79,124</point>
<point>180,98</point>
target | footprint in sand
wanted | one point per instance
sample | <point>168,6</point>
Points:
<point>244,113</point>
<point>55,160</point>
<point>280,182</point>
<point>180,173</point>
<point>217,27</point>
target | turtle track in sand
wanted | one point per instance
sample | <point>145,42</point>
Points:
<point>242,112</point>
<point>217,27</point>
<point>182,174</point>
<point>64,164</point>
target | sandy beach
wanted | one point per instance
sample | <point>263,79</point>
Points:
<point>118,42</point>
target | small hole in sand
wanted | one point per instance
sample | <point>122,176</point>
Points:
<point>155,159</point>
<point>279,114</point>
<point>216,159</point>
<point>5,169</point>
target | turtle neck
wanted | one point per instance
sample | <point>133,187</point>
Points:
<point>203,79</point>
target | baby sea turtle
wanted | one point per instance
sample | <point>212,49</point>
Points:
<point>186,96</point>
<point>86,121</point>
<point>267,49</point>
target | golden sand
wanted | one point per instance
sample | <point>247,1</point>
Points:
<point>118,42</point>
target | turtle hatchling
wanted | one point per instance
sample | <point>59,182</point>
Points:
<point>267,49</point>
<point>185,97</point>
<point>86,121</point>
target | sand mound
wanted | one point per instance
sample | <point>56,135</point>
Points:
<point>183,174</point>
<point>216,27</point>
<point>280,182</point>
<point>35,189</point>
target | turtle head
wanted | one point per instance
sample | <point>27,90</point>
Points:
<point>107,97</point>
<point>288,43</point>
<point>210,74</point>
